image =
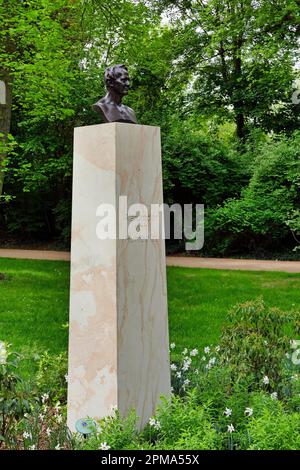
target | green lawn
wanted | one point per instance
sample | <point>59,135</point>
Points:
<point>34,303</point>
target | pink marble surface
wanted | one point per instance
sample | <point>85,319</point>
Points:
<point>118,348</point>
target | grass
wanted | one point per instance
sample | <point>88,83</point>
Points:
<point>34,303</point>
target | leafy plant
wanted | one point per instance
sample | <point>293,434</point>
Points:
<point>52,376</point>
<point>256,340</point>
<point>13,400</point>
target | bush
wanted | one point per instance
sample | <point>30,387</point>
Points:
<point>241,394</point>
<point>51,376</point>
<point>260,218</point>
<point>256,342</point>
<point>272,428</point>
<point>13,400</point>
<point>28,420</point>
<point>199,168</point>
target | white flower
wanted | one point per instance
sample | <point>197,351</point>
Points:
<point>154,423</point>
<point>249,411</point>
<point>218,348</point>
<point>208,366</point>
<point>207,350</point>
<point>32,447</point>
<point>104,446</point>
<point>172,345</point>
<point>3,353</point>
<point>178,375</point>
<point>45,397</point>
<point>113,408</point>
<point>186,364</point>
<point>66,378</point>
<point>194,352</point>
<point>185,351</point>
<point>57,447</point>
<point>203,358</point>
<point>274,396</point>
<point>186,382</point>
<point>228,412</point>
<point>266,380</point>
<point>230,428</point>
<point>173,367</point>
<point>57,407</point>
<point>26,435</point>
<point>48,432</point>
<point>41,417</point>
<point>212,361</point>
<point>196,371</point>
<point>59,418</point>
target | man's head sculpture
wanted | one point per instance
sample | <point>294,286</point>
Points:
<point>110,107</point>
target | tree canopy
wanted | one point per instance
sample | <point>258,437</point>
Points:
<point>216,75</point>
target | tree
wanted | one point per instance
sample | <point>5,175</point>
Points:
<point>7,48</point>
<point>60,52</point>
<point>236,56</point>
<point>267,213</point>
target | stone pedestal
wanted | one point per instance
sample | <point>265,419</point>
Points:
<point>118,343</point>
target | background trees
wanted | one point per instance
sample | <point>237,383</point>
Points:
<point>216,75</point>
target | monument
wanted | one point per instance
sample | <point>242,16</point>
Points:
<point>118,339</point>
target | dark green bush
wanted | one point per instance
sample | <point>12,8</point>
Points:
<point>256,342</point>
<point>260,217</point>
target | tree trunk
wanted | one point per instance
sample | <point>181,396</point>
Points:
<point>5,118</point>
<point>240,125</point>
<point>238,104</point>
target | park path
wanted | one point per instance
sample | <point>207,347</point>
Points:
<point>190,262</point>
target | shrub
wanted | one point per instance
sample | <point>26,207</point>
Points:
<point>13,400</point>
<point>272,428</point>
<point>51,376</point>
<point>267,206</point>
<point>256,342</point>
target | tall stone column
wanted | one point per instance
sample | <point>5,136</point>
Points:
<point>118,340</point>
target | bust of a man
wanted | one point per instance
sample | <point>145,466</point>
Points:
<point>110,107</point>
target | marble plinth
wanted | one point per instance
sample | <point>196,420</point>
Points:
<point>118,339</point>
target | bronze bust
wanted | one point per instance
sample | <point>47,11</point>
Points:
<point>110,107</point>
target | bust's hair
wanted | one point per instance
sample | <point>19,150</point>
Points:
<point>110,74</point>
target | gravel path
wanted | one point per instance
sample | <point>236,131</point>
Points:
<point>191,262</point>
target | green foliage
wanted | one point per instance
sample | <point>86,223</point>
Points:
<point>236,59</point>
<point>120,433</point>
<point>272,428</point>
<point>51,376</point>
<point>220,406</point>
<point>262,214</point>
<point>28,420</point>
<point>13,401</point>
<point>198,167</point>
<point>184,425</point>
<point>256,342</point>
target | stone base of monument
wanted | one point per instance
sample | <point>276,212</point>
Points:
<point>118,340</point>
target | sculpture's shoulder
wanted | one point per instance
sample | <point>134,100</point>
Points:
<point>131,113</point>
<point>100,105</point>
